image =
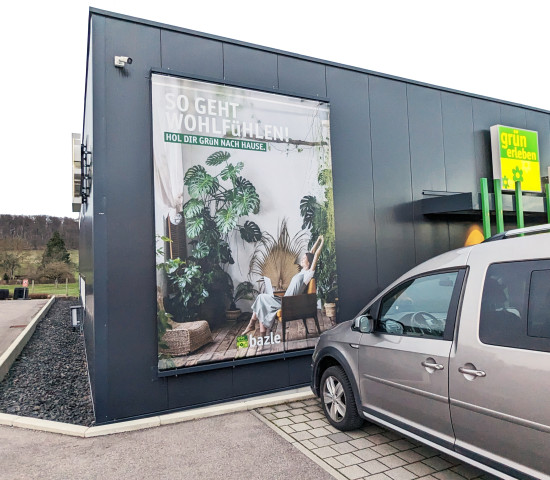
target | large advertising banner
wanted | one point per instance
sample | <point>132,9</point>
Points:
<point>244,222</point>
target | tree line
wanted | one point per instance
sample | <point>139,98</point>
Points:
<point>32,232</point>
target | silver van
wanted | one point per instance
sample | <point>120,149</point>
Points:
<point>456,354</point>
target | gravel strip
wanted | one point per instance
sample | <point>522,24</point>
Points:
<point>49,380</point>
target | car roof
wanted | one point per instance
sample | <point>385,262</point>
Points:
<point>520,244</point>
<point>452,259</point>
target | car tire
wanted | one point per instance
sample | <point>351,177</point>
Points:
<point>338,400</point>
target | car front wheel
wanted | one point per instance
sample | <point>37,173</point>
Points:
<point>338,400</point>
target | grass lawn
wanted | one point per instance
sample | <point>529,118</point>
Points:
<point>48,288</point>
<point>30,260</point>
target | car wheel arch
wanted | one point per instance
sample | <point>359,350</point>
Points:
<point>333,357</point>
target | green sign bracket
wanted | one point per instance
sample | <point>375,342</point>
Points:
<point>499,212</point>
<point>519,206</point>
<point>485,208</point>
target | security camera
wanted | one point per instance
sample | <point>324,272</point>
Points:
<point>121,61</point>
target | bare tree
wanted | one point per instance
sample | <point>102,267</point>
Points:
<point>56,271</point>
<point>12,253</point>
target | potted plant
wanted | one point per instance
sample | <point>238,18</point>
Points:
<point>187,287</point>
<point>318,217</point>
<point>217,203</point>
<point>328,294</point>
<point>244,291</point>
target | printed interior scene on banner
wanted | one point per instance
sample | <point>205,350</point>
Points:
<point>244,222</point>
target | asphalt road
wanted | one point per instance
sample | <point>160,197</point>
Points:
<point>15,315</point>
<point>234,446</point>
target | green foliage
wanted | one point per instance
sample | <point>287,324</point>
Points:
<point>70,289</point>
<point>250,232</point>
<point>217,158</point>
<point>55,250</point>
<point>226,220</point>
<point>163,324</point>
<point>187,285</point>
<point>244,291</point>
<point>231,171</point>
<point>308,210</point>
<point>217,203</point>
<point>215,208</point>
<point>166,362</point>
<point>318,216</point>
<point>199,183</point>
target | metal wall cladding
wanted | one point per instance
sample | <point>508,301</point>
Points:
<point>250,67</point>
<point>302,77</point>
<point>539,122</point>
<point>390,141</point>
<point>123,225</point>
<point>395,251</point>
<point>427,168</point>
<point>352,174</point>
<point>192,55</point>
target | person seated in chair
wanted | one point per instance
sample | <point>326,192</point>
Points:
<point>265,306</point>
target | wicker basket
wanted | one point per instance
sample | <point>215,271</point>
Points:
<point>185,338</point>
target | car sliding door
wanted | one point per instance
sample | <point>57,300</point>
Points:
<point>404,364</point>
<point>499,375</point>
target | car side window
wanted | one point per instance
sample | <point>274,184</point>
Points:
<point>419,307</point>
<point>515,306</point>
<point>538,318</point>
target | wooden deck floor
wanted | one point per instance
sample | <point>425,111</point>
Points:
<point>224,344</point>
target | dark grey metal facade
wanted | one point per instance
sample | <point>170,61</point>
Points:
<point>391,139</point>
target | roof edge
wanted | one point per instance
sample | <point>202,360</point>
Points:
<point>151,23</point>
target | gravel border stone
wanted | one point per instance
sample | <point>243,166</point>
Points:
<point>49,380</point>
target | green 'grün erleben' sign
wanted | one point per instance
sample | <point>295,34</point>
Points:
<point>516,157</point>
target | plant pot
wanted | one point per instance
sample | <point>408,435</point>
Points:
<point>232,315</point>
<point>213,311</point>
<point>330,309</point>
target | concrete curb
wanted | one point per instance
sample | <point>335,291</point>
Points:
<point>13,351</point>
<point>156,421</point>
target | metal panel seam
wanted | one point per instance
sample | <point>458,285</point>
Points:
<point>411,174</point>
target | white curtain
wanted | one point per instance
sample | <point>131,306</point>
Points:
<point>167,160</point>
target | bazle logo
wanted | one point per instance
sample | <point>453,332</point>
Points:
<point>242,341</point>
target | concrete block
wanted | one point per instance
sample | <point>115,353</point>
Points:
<point>122,427</point>
<point>204,412</point>
<point>7,419</point>
<point>49,426</point>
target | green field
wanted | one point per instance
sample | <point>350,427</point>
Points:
<point>31,257</point>
<point>48,288</point>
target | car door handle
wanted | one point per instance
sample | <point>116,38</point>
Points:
<point>471,371</point>
<point>435,366</point>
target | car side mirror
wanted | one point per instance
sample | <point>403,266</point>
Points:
<point>364,323</point>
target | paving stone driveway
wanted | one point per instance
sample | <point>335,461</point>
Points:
<point>371,452</point>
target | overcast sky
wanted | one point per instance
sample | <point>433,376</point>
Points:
<point>495,48</point>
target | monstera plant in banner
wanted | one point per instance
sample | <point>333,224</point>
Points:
<point>217,204</point>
